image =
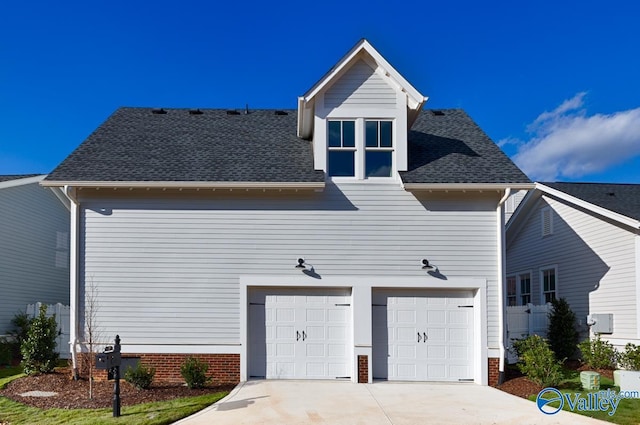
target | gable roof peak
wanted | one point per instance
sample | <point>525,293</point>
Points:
<point>362,50</point>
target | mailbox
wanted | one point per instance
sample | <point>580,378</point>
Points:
<point>109,359</point>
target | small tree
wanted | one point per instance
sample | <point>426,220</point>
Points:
<point>39,348</point>
<point>562,333</point>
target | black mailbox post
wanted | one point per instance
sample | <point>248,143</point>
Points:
<point>110,361</point>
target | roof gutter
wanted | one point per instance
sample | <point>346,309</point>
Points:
<point>467,186</point>
<point>186,185</point>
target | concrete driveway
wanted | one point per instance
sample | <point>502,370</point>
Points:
<point>326,402</point>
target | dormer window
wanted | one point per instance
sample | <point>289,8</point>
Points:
<point>378,149</point>
<point>342,148</point>
<point>360,148</point>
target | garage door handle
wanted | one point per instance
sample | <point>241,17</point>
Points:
<point>304,335</point>
<point>425,336</point>
<point>419,337</point>
<point>297,336</point>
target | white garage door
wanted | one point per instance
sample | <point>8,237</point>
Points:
<point>300,334</point>
<point>423,336</point>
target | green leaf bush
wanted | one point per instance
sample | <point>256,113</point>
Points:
<point>39,348</point>
<point>598,354</point>
<point>630,358</point>
<point>194,372</point>
<point>537,361</point>
<point>140,376</point>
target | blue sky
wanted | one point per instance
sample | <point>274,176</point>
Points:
<point>555,83</point>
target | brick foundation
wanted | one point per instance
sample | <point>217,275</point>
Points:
<point>363,369</point>
<point>494,371</point>
<point>223,368</point>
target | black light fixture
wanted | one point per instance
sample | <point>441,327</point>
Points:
<point>300,264</point>
<point>426,265</point>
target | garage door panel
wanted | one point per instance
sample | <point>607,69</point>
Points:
<point>306,333</point>
<point>400,349</point>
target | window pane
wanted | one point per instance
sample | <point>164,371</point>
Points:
<point>341,163</point>
<point>371,134</point>
<point>334,134</point>
<point>385,134</point>
<point>348,134</point>
<point>377,164</point>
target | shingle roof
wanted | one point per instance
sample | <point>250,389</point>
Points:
<point>9,177</point>
<point>135,144</point>
<point>620,198</point>
<point>451,148</point>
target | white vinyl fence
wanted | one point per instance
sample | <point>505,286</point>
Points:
<point>525,320</point>
<point>62,313</point>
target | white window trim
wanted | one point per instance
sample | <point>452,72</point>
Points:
<point>360,149</point>
<point>506,291</point>
<point>518,287</point>
<point>541,271</point>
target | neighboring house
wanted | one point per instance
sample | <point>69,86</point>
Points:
<point>290,243</point>
<point>581,242</point>
<point>34,246</point>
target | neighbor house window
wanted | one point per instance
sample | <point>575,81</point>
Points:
<point>525,288</point>
<point>548,278</point>
<point>360,148</point>
<point>342,148</point>
<point>511,291</point>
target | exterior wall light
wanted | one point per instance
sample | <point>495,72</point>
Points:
<point>300,264</point>
<point>426,265</point>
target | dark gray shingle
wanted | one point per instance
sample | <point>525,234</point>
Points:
<point>9,177</point>
<point>451,148</point>
<point>621,198</point>
<point>135,144</point>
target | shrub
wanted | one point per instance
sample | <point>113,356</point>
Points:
<point>5,352</point>
<point>538,362</point>
<point>20,326</point>
<point>562,333</point>
<point>140,376</point>
<point>630,358</point>
<point>38,349</point>
<point>194,372</point>
<point>598,354</point>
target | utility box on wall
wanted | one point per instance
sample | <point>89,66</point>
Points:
<point>600,323</point>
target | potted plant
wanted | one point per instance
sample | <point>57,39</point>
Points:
<point>628,378</point>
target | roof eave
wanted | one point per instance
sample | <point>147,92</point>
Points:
<point>466,186</point>
<point>22,181</point>
<point>589,206</point>
<point>415,100</point>
<point>316,186</point>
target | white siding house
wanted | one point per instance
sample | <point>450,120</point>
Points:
<point>34,246</point>
<point>585,236</point>
<point>324,243</point>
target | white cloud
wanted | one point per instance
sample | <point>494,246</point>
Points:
<point>566,142</point>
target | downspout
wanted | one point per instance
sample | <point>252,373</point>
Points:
<point>502,272</point>
<point>73,277</point>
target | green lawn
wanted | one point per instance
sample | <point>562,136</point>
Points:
<point>164,412</point>
<point>627,412</point>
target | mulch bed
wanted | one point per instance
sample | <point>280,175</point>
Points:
<point>520,386</point>
<point>75,394</point>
